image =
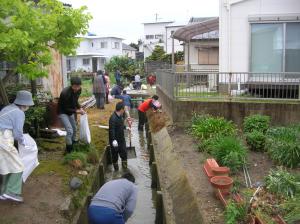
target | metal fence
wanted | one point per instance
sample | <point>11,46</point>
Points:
<point>209,84</point>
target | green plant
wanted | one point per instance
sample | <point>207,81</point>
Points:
<point>228,151</point>
<point>76,156</point>
<point>35,114</point>
<point>256,140</point>
<point>235,212</point>
<point>256,122</point>
<point>283,145</point>
<point>206,126</point>
<point>264,217</point>
<point>282,182</point>
<point>292,210</point>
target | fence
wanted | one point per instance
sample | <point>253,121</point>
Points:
<point>209,84</point>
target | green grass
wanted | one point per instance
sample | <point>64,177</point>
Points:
<point>86,87</point>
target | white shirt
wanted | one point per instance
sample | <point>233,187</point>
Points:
<point>137,78</point>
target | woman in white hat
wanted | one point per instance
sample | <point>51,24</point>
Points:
<point>12,119</point>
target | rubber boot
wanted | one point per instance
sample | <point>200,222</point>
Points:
<point>116,166</point>
<point>69,149</point>
<point>124,164</point>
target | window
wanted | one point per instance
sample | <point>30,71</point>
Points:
<point>149,37</point>
<point>68,64</point>
<point>103,45</point>
<point>275,47</point>
<point>159,36</point>
<point>92,44</point>
<point>116,45</point>
<point>102,60</point>
<point>208,56</point>
<point>85,61</point>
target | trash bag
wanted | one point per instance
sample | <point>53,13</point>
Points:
<point>29,156</point>
<point>85,134</point>
<point>110,98</point>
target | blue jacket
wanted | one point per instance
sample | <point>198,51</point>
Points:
<point>126,99</point>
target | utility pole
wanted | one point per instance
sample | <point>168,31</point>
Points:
<point>156,17</point>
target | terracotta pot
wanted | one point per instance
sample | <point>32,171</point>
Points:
<point>221,182</point>
<point>220,171</point>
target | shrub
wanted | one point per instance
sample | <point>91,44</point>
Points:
<point>282,182</point>
<point>228,151</point>
<point>292,210</point>
<point>235,212</point>
<point>206,126</point>
<point>283,145</point>
<point>256,122</point>
<point>256,140</point>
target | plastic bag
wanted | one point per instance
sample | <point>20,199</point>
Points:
<point>84,134</point>
<point>29,156</point>
<point>110,98</point>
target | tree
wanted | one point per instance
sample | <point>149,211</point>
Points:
<point>30,29</point>
<point>135,46</point>
<point>158,54</point>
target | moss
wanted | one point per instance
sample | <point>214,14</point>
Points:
<point>52,166</point>
<point>51,145</point>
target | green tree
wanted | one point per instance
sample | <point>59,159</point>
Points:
<point>126,65</point>
<point>136,46</point>
<point>158,54</point>
<point>30,29</point>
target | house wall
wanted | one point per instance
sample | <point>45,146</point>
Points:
<point>194,51</point>
<point>235,29</point>
<point>129,53</point>
<point>54,83</point>
<point>168,45</point>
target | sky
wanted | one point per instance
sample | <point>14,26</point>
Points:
<point>124,19</point>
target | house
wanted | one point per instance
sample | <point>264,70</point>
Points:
<point>94,52</point>
<point>261,37</point>
<point>128,51</point>
<point>158,33</point>
<point>201,43</point>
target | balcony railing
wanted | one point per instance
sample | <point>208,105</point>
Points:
<point>245,85</point>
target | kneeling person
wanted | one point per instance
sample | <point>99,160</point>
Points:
<point>115,202</point>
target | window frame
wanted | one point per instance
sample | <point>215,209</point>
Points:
<point>87,60</point>
<point>104,44</point>
<point>284,35</point>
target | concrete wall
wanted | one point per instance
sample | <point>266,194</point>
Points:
<point>168,43</point>
<point>181,111</point>
<point>235,28</point>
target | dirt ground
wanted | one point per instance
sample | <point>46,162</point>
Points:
<point>259,165</point>
<point>48,187</point>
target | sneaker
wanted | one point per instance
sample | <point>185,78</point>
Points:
<point>2,198</point>
<point>13,197</point>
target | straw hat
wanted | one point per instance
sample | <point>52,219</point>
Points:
<point>24,98</point>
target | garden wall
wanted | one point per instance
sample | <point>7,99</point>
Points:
<point>282,113</point>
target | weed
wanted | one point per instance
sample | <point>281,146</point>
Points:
<point>256,140</point>
<point>256,122</point>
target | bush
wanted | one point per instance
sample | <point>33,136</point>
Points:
<point>235,212</point>
<point>283,145</point>
<point>292,210</point>
<point>228,151</point>
<point>256,140</point>
<point>283,183</point>
<point>206,126</point>
<point>69,158</point>
<point>256,122</point>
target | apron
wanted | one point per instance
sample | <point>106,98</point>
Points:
<point>10,161</point>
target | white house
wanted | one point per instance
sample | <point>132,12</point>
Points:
<point>259,36</point>
<point>158,33</point>
<point>94,52</point>
<point>128,51</point>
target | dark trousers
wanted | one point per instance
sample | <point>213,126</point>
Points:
<point>100,97</point>
<point>106,97</point>
<point>142,119</point>
<point>118,151</point>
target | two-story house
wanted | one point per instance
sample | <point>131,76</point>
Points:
<point>94,52</point>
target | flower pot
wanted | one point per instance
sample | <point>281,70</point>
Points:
<point>223,183</point>
<point>220,171</point>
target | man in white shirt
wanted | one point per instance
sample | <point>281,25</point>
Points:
<point>137,80</point>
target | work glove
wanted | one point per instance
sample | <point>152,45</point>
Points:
<point>115,143</point>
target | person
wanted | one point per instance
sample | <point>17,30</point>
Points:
<point>118,77</point>
<point>142,109</point>
<point>107,85</point>
<point>68,106</point>
<point>115,202</point>
<point>99,89</point>
<point>137,80</point>
<point>117,138</point>
<point>12,118</point>
<point>126,99</point>
<point>116,91</point>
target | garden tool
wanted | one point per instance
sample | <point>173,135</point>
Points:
<point>131,154</point>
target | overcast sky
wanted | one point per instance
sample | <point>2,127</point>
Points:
<point>124,18</point>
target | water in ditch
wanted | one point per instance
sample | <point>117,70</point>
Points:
<point>139,167</point>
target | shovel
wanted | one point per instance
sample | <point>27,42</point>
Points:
<point>130,150</point>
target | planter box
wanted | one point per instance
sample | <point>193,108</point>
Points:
<point>212,168</point>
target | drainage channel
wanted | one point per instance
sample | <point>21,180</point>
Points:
<point>145,209</point>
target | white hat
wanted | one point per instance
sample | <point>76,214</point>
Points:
<point>24,98</point>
